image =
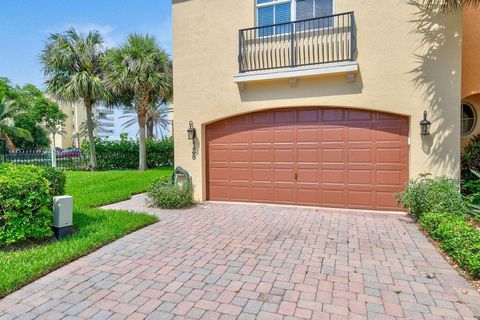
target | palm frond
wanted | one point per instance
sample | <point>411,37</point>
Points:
<point>449,5</point>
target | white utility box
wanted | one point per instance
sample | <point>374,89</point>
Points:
<point>62,216</point>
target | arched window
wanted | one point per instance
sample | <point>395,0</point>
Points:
<point>469,119</point>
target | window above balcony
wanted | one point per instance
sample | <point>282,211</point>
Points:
<point>271,12</point>
<point>295,38</point>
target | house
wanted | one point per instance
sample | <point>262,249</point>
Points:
<point>316,102</point>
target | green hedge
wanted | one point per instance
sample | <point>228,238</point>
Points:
<point>460,240</point>
<point>25,204</point>
<point>124,154</point>
<point>57,180</point>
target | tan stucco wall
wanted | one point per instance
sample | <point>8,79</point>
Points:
<point>402,70</point>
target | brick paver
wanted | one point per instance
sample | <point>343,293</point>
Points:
<point>228,261</point>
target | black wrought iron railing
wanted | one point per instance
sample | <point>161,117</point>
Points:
<point>314,41</point>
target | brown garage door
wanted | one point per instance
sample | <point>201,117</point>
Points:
<point>330,157</point>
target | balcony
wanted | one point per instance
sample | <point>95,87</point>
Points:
<point>317,46</point>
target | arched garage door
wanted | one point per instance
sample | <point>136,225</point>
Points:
<point>329,157</point>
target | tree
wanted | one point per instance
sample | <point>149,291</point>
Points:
<point>157,119</point>
<point>54,128</point>
<point>72,63</point>
<point>40,115</point>
<point>8,112</point>
<point>140,73</point>
<point>449,5</point>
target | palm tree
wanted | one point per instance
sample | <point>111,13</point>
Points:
<point>55,127</point>
<point>140,72</point>
<point>72,62</point>
<point>8,112</point>
<point>449,5</point>
<point>157,119</point>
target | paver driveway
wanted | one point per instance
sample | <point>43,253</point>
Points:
<point>243,261</point>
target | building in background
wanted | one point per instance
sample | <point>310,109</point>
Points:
<point>75,128</point>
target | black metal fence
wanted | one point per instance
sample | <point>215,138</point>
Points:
<point>46,159</point>
<point>314,41</point>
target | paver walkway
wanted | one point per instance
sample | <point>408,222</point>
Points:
<point>233,261</point>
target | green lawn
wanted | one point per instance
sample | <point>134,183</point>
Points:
<point>96,227</point>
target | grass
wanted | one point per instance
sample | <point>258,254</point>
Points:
<point>95,227</point>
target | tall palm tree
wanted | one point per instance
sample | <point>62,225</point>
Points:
<point>157,119</point>
<point>141,73</point>
<point>72,63</point>
<point>8,112</point>
<point>449,5</point>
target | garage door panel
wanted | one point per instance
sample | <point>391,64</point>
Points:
<point>390,133</point>
<point>388,155</point>
<point>284,116</point>
<point>360,198</point>
<point>262,194</point>
<point>308,196</point>
<point>361,177</point>
<point>330,157</point>
<point>333,115</point>
<point>333,134</point>
<point>262,118</point>
<point>284,155</point>
<point>333,155</point>
<point>360,155</point>
<point>359,115</point>
<point>333,176</point>
<point>261,136</point>
<point>360,134</point>
<point>281,135</point>
<point>307,175</point>
<point>308,115</point>
<point>308,136</point>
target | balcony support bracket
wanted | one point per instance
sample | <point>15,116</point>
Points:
<point>351,76</point>
<point>242,86</point>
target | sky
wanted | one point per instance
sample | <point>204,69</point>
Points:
<point>26,24</point>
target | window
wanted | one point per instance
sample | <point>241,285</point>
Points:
<point>469,119</point>
<point>272,12</point>
<point>308,9</point>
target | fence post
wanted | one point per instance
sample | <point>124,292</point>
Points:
<point>54,157</point>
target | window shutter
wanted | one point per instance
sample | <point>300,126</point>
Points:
<point>307,9</point>
<point>304,9</point>
<point>282,13</point>
<point>323,8</point>
<point>265,16</point>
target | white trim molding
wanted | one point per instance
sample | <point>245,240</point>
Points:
<point>350,69</point>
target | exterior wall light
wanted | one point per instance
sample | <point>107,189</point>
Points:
<point>192,135</point>
<point>425,125</point>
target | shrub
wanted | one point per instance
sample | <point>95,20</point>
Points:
<point>57,181</point>
<point>165,194</point>
<point>25,204</point>
<point>471,161</point>
<point>460,240</point>
<point>123,154</point>
<point>439,194</point>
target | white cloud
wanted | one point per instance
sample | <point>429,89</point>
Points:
<point>110,36</point>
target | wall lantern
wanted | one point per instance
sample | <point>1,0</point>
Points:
<point>425,125</point>
<point>192,135</point>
